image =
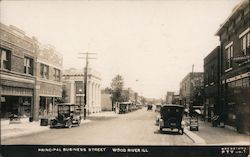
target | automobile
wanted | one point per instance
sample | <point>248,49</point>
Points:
<point>150,107</point>
<point>68,115</point>
<point>171,117</point>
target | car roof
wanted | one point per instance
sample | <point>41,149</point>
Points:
<point>172,105</point>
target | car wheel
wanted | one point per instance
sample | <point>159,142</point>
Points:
<point>69,124</point>
<point>160,128</point>
<point>182,131</point>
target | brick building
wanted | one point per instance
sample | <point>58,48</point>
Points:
<point>211,84</point>
<point>234,36</point>
<point>17,72</point>
<point>30,75</point>
<point>48,79</point>
<point>188,86</point>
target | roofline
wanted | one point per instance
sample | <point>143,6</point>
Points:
<point>237,8</point>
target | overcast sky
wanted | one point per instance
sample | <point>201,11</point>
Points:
<point>154,42</point>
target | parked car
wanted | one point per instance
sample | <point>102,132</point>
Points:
<point>150,107</point>
<point>171,117</point>
<point>68,115</point>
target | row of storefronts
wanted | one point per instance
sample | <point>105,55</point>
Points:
<point>32,82</point>
<point>227,72</point>
<point>25,92</point>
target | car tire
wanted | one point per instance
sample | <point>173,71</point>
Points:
<point>182,131</point>
<point>69,124</point>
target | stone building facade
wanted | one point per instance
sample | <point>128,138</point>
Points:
<point>73,82</point>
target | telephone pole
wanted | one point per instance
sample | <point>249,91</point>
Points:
<point>86,56</point>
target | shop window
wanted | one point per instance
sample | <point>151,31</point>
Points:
<point>44,71</point>
<point>5,59</point>
<point>28,65</point>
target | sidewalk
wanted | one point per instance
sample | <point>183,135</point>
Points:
<point>23,128</point>
<point>216,135</point>
<point>26,127</point>
<point>20,129</point>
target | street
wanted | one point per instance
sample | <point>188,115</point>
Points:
<point>134,128</point>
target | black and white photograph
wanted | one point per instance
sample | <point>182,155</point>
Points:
<point>125,78</point>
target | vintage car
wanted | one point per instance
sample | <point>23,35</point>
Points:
<point>68,115</point>
<point>171,117</point>
<point>150,107</point>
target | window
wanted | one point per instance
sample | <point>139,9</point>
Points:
<point>28,65</point>
<point>229,51</point>
<point>44,71</point>
<point>57,74</point>
<point>5,59</point>
<point>245,43</point>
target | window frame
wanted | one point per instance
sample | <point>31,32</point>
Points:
<point>5,64</point>
<point>44,71</point>
<point>28,69</point>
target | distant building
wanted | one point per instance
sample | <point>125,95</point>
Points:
<point>234,36</point>
<point>73,82</point>
<point>176,99</point>
<point>212,84</point>
<point>169,97</point>
<point>188,85</point>
<point>17,72</point>
<point>106,101</point>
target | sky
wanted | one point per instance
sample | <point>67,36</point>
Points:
<point>152,44</point>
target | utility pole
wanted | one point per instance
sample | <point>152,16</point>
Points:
<point>86,79</point>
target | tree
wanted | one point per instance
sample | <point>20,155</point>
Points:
<point>117,86</point>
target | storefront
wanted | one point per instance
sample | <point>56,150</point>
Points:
<point>16,101</point>
<point>47,107</point>
<point>238,102</point>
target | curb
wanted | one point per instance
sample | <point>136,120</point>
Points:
<point>195,138</point>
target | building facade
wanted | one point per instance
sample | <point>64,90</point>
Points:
<point>73,82</point>
<point>169,97</point>
<point>211,84</point>
<point>188,85</point>
<point>21,86</point>
<point>17,79</point>
<point>234,36</point>
<point>48,79</point>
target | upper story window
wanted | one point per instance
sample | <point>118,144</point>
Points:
<point>229,54</point>
<point>28,65</point>
<point>245,43</point>
<point>5,59</point>
<point>44,71</point>
<point>57,74</point>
